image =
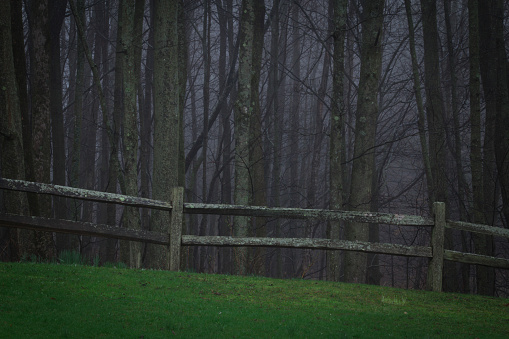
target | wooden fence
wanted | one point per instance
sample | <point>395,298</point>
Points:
<point>174,240</point>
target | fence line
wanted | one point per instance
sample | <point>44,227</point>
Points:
<point>478,228</point>
<point>309,243</point>
<point>83,194</point>
<point>303,213</point>
<point>217,209</point>
<point>82,228</point>
<point>177,207</point>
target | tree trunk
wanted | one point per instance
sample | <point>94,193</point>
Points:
<point>294,116</point>
<point>485,192</point>
<point>434,101</point>
<point>436,124</point>
<point>11,141</point>
<point>78,110</point>
<point>295,107</point>
<point>131,215</point>
<point>243,112</point>
<point>421,121</point>
<point>57,15</point>
<point>365,133</point>
<point>182,33</point>
<point>182,83</point>
<point>275,113</point>
<point>167,120</point>
<point>336,133</point>
<point>146,127</point>
<point>457,150</point>
<point>206,103</point>
<point>256,156</point>
<point>21,245</point>
<point>41,132</point>
<point>226,187</point>
<point>108,246</point>
<point>502,117</point>
<point>475,132</point>
<point>143,165</point>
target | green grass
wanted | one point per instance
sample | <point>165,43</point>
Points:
<point>59,301</point>
<point>71,258</point>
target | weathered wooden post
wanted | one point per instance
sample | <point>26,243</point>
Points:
<point>177,202</point>
<point>436,264</point>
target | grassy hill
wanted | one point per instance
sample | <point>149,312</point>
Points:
<point>59,301</point>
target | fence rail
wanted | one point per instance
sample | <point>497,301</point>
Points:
<point>177,207</point>
<point>302,213</point>
<point>314,243</point>
<point>82,228</point>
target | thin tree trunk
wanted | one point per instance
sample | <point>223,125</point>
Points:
<point>275,114</point>
<point>485,281</point>
<point>20,243</point>
<point>317,122</point>
<point>421,121</point>
<point>113,166</point>
<point>256,156</point>
<point>89,159</point>
<point>182,33</point>
<point>294,116</point>
<point>206,103</point>
<point>146,113</point>
<point>130,137</point>
<point>144,102</point>
<point>480,240</point>
<point>365,133</point>
<point>226,30</point>
<point>78,112</point>
<point>243,111</point>
<point>436,124</point>
<point>337,134</point>
<point>502,117</point>
<point>57,15</point>
<point>295,107</point>
<point>107,247</point>
<point>455,114</point>
<point>41,135</point>
<point>457,152</point>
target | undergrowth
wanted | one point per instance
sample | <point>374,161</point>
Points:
<point>48,300</point>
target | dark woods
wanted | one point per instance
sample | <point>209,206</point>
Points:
<point>344,104</point>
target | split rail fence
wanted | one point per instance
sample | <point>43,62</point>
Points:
<point>177,207</point>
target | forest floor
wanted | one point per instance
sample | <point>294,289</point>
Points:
<point>76,301</point>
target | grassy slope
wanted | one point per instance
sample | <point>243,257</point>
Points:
<point>43,300</point>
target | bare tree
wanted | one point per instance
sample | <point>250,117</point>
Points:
<point>41,122</point>
<point>167,125</point>
<point>337,135</point>
<point>365,132</point>
<point>11,141</point>
<point>256,156</point>
<point>243,112</point>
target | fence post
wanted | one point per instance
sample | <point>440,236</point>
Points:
<point>436,264</point>
<point>177,202</point>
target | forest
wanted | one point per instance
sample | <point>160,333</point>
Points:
<point>358,105</point>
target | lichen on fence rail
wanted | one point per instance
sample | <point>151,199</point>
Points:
<point>478,228</point>
<point>476,259</point>
<point>80,193</point>
<point>302,213</point>
<point>309,243</point>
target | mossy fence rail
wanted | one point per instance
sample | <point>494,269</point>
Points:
<point>177,207</point>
